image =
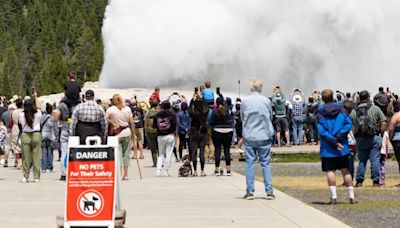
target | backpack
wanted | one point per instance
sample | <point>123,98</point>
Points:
<point>163,123</point>
<point>150,119</point>
<point>363,125</point>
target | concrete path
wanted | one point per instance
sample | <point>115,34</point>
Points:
<point>162,202</point>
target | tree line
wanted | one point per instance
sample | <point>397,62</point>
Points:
<point>42,40</point>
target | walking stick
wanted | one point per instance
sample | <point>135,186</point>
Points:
<point>140,171</point>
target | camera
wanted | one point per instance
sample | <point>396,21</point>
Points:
<point>196,89</point>
<point>218,91</point>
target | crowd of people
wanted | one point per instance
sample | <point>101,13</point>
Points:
<point>208,125</point>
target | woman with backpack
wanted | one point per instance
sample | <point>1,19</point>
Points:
<point>47,130</point>
<point>121,124</point>
<point>31,139</point>
<point>222,122</point>
<point>165,123</point>
<point>151,132</point>
<point>198,133</point>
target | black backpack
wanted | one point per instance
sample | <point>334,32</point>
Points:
<point>363,125</point>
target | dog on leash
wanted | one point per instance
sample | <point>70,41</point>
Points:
<point>186,169</point>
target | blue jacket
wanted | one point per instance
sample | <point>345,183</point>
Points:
<point>333,127</point>
<point>183,120</point>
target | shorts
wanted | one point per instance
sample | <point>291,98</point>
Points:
<point>139,137</point>
<point>239,131</point>
<point>281,123</point>
<point>336,163</point>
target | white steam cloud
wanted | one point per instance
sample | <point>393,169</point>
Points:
<point>311,44</point>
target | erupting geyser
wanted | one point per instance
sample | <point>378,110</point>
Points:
<point>342,44</point>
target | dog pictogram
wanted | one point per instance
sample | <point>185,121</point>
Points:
<point>90,203</point>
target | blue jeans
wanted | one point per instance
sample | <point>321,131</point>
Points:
<point>297,126</point>
<point>368,148</point>
<point>47,158</point>
<point>264,156</point>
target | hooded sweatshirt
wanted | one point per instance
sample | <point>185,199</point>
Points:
<point>333,127</point>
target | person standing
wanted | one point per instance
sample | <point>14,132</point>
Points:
<point>88,119</point>
<point>333,127</point>
<point>61,119</point>
<point>369,123</point>
<point>72,91</point>
<point>16,132</point>
<point>151,132</point>
<point>281,119</point>
<point>47,130</point>
<point>183,122</point>
<point>258,132</point>
<point>121,121</point>
<point>30,138</point>
<point>222,124</point>
<point>381,99</point>
<point>155,96</point>
<point>7,120</point>
<point>297,100</point>
<point>394,136</point>
<point>198,112</point>
<point>138,138</point>
<point>165,123</point>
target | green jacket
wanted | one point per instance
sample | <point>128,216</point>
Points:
<point>279,105</point>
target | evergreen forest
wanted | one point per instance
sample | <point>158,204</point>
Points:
<point>42,40</point>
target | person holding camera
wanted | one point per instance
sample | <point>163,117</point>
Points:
<point>281,121</point>
<point>297,100</point>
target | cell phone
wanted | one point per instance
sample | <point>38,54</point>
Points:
<point>196,89</point>
<point>387,89</point>
<point>218,90</point>
<point>33,89</point>
<point>278,87</point>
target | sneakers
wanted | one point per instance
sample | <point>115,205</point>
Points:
<point>359,185</point>
<point>24,180</point>
<point>37,181</point>
<point>2,162</point>
<point>5,164</point>
<point>270,196</point>
<point>63,178</point>
<point>166,174</point>
<point>333,201</point>
<point>158,173</point>
<point>353,201</point>
<point>48,170</point>
<point>216,173</point>
<point>228,173</point>
<point>249,196</point>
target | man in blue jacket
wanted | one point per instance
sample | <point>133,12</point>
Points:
<point>333,127</point>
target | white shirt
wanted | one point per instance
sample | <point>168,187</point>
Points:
<point>36,122</point>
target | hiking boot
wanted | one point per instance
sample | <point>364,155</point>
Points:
<point>375,184</point>
<point>333,201</point>
<point>359,185</point>
<point>353,201</point>
<point>270,196</point>
<point>63,178</point>
<point>249,196</point>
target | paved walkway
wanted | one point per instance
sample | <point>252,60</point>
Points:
<point>162,202</point>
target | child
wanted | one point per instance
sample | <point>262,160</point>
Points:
<point>333,127</point>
